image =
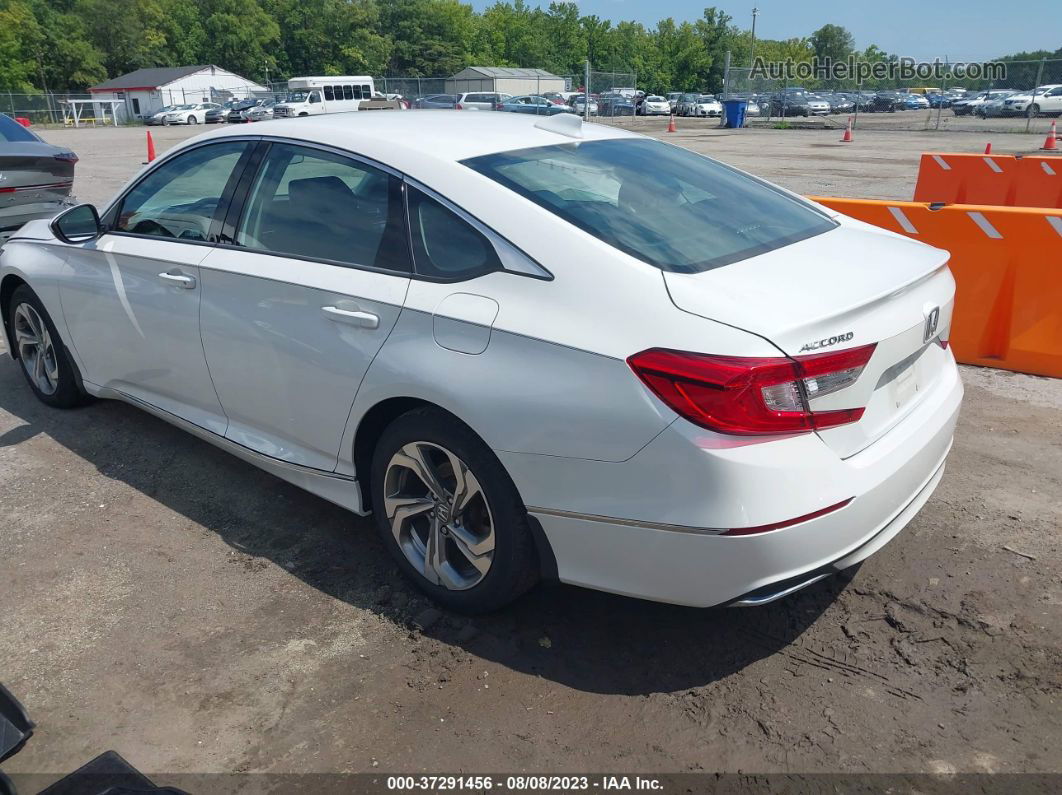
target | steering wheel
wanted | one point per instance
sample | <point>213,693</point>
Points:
<point>151,227</point>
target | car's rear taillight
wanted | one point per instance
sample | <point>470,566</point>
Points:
<point>458,106</point>
<point>752,396</point>
<point>68,157</point>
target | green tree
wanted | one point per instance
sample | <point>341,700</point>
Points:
<point>240,36</point>
<point>833,42</point>
<point>20,38</point>
<point>430,37</point>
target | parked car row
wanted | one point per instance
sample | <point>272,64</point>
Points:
<point>1043,100</point>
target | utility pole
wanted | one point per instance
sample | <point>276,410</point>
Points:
<point>752,49</point>
<point>586,93</point>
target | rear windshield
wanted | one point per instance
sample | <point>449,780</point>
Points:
<point>11,131</point>
<point>660,203</point>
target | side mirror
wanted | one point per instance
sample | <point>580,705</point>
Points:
<point>79,224</point>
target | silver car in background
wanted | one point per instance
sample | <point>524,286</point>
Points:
<point>817,106</point>
<point>35,177</point>
<point>578,104</point>
<point>479,100</point>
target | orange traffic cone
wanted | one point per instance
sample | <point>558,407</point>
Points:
<point>151,147</point>
<point>988,148</point>
<point>847,137</point>
<point>671,124</point>
<point>1051,142</point>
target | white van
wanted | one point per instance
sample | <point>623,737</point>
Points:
<point>310,96</point>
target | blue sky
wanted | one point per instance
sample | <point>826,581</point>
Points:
<point>969,31</point>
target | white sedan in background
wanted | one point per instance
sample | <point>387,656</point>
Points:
<point>1045,99</point>
<point>190,113</point>
<point>704,105</point>
<point>530,347</point>
<point>654,105</point>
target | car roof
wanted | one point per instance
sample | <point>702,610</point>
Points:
<point>414,141</point>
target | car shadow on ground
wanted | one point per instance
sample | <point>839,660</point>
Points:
<point>582,639</point>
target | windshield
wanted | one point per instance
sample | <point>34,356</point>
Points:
<point>662,204</point>
<point>185,107</point>
<point>298,96</point>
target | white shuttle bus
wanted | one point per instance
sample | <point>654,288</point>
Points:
<point>310,96</point>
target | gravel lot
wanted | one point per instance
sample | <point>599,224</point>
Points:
<point>166,600</point>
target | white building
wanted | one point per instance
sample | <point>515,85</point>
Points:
<point>504,80</point>
<point>146,90</point>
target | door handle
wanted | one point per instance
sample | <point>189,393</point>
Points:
<point>179,280</point>
<point>353,317</point>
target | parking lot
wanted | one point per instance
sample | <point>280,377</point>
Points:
<point>169,601</point>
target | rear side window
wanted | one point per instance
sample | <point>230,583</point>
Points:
<point>320,205</point>
<point>662,204</point>
<point>11,131</point>
<point>329,96</point>
<point>445,245</point>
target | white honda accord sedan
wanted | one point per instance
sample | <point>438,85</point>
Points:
<point>529,347</point>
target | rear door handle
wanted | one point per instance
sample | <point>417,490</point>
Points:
<point>181,280</point>
<point>353,317</point>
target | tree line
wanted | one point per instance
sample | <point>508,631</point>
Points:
<point>69,45</point>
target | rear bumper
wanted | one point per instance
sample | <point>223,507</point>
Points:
<point>688,480</point>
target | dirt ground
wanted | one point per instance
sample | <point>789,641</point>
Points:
<point>166,600</point>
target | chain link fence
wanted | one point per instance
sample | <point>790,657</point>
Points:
<point>1022,97</point>
<point>1001,103</point>
<point>613,94</point>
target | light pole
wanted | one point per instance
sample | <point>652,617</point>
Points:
<point>752,49</point>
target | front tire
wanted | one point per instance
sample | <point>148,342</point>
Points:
<point>46,363</point>
<point>193,120</point>
<point>450,515</point>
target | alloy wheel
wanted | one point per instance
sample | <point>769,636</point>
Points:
<point>35,349</point>
<point>439,515</point>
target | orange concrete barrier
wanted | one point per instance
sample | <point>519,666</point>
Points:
<point>1004,180</point>
<point>1007,263</point>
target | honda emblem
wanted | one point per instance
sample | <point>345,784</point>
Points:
<point>929,331</point>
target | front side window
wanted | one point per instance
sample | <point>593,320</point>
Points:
<point>662,204</point>
<point>316,204</point>
<point>181,198</point>
<point>445,245</point>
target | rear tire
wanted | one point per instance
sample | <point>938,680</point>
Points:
<point>464,541</point>
<point>45,362</point>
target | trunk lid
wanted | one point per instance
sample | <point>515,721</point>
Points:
<point>31,172</point>
<point>849,287</point>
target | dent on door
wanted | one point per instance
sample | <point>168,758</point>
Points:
<point>462,322</point>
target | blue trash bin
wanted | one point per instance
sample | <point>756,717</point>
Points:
<point>734,112</point>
